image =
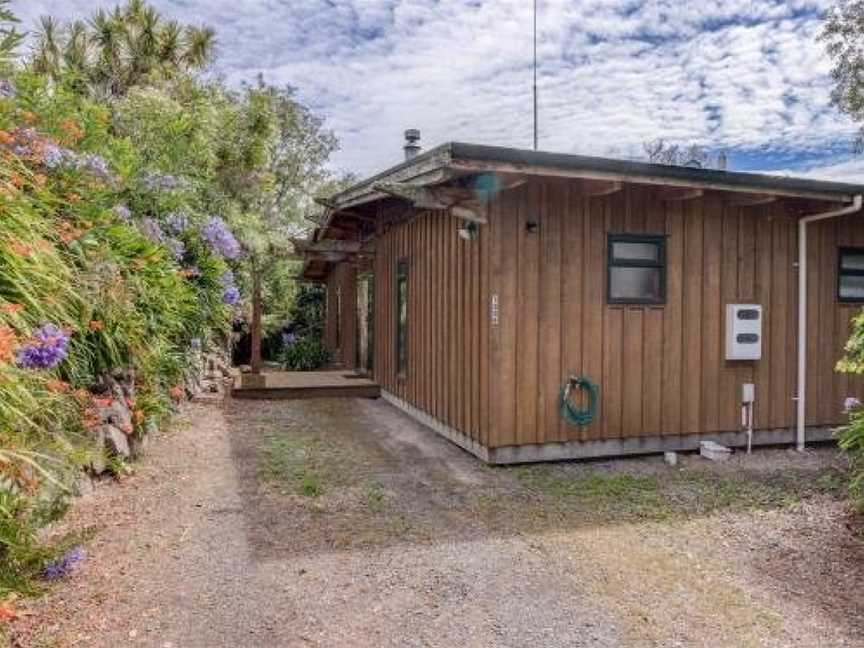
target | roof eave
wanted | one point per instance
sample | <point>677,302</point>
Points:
<point>455,158</point>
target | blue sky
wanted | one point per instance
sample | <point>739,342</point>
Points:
<point>744,75</point>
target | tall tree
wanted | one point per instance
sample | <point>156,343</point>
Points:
<point>113,51</point>
<point>843,35</point>
<point>294,169</point>
<point>10,37</point>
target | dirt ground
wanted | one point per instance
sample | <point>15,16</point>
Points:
<point>344,523</point>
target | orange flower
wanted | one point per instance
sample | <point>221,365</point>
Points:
<point>96,325</point>
<point>90,419</point>
<point>7,612</point>
<point>21,249</point>
<point>6,137</point>
<point>8,340</point>
<point>58,386</point>
<point>176,393</point>
<point>16,180</point>
<point>71,128</point>
<point>82,395</point>
<point>11,308</point>
<point>138,416</point>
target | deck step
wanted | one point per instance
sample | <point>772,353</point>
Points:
<point>287,385</point>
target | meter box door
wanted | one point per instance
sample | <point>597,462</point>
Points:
<point>743,332</point>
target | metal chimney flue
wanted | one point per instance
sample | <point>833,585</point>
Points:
<point>412,146</point>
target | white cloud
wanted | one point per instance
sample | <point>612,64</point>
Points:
<point>742,74</point>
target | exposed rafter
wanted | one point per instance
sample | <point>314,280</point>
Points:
<point>599,187</point>
<point>679,194</point>
<point>749,200</point>
<point>459,201</point>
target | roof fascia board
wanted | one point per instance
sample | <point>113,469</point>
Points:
<point>638,178</point>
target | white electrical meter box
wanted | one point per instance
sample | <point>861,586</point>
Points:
<point>743,332</point>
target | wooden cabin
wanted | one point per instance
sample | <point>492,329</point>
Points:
<point>473,282</point>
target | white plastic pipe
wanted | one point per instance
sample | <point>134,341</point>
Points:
<point>801,398</point>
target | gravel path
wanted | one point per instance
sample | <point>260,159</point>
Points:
<point>411,542</point>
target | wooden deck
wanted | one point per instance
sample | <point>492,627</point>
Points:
<point>305,384</point>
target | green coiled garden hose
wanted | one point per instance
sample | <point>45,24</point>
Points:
<point>575,415</point>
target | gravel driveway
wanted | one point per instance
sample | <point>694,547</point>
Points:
<point>343,523</point>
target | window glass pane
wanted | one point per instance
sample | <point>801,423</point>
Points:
<point>630,251</point>
<point>402,318</point>
<point>852,261</point>
<point>634,283</point>
<point>852,287</point>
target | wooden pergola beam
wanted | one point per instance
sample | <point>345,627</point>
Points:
<point>326,245</point>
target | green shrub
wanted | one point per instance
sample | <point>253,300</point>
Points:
<point>305,354</point>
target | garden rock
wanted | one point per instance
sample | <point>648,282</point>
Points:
<point>83,485</point>
<point>117,414</point>
<point>114,440</point>
<point>138,445</point>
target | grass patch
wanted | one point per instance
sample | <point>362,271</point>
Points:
<point>375,498</point>
<point>306,464</point>
<point>638,495</point>
<point>677,493</point>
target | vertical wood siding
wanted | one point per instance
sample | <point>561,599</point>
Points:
<point>447,324</point>
<point>661,369</point>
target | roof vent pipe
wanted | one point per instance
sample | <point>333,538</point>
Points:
<point>412,148</point>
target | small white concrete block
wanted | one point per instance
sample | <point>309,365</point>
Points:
<point>714,451</point>
<point>671,458</point>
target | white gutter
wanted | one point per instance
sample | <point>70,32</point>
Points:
<point>802,309</point>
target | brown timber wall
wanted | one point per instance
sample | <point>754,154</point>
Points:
<point>661,369</point>
<point>447,373</point>
<point>342,351</point>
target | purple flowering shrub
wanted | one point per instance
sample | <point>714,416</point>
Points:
<point>220,239</point>
<point>158,181</point>
<point>47,349</point>
<point>177,222</point>
<point>29,144</point>
<point>63,566</point>
<point>230,292</point>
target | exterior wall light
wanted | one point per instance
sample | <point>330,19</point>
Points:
<point>469,231</point>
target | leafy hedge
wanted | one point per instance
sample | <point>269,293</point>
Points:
<point>111,258</point>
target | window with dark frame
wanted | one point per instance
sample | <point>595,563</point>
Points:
<point>636,269</point>
<point>850,274</point>
<point>402,318</point>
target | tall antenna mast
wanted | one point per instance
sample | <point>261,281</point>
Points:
<point>535,75</point>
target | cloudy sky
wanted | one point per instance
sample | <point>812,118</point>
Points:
<point>744,75</point>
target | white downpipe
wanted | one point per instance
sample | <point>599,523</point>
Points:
<point>801,399</point>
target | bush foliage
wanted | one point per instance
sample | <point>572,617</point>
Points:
<point>130,199</point>
<point>305,354</point>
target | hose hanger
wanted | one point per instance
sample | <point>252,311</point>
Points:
<point>576,415</point>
